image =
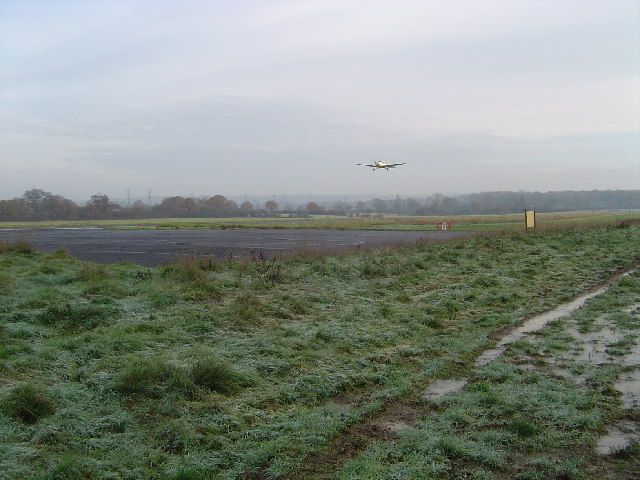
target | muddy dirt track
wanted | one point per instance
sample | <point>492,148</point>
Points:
<point>154,247</point>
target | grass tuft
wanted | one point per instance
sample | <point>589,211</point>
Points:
<point>217,376</point>
<point>191,270</point>
<point>76,316</point>
<point>522,428</point>
<point>28,403</point>
<point>60,252</point>
<point>20,247</point>
<point>92,273</point>
<point>272,271</point>
<point>145,377</point>
<point>6,283</point>
<point>193,280</point>
<point>70,468</point>
<point>247,308</point>
<point>189,474</point>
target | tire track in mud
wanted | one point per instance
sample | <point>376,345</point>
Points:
<point>398,414</point>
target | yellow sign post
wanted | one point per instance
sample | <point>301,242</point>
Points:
<point>529,219</point>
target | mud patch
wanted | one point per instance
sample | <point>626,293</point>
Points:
<point>342,449</point>
<point>618,438</point>
<point>632,359</point>
<point>440,388</point>
<point>384,426</point>
<point>628,384</point>
<point>398,417</point>
<point>345,401</point>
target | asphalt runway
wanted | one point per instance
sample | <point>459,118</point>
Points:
<point>155,247</point>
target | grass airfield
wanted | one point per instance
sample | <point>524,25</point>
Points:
<point>489,223</point>
<point>317,367</point>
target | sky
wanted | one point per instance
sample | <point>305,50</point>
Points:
<point>272,97</point>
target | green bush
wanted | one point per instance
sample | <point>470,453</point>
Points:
<point>27,403</point>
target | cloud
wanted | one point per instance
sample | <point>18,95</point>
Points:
<point>285,96</point>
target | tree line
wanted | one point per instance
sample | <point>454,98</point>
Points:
<point>37,204</point>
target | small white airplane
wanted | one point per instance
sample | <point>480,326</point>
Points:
<point>378,165</point>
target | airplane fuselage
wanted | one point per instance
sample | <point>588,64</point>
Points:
<point>380,165</point>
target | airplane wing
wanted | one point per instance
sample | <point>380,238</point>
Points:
<point>367,165</point>
<point>393,165</point>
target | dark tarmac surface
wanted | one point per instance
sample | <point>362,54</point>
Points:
<point>154,247</point>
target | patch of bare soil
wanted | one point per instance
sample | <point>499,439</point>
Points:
<point>384,426</point>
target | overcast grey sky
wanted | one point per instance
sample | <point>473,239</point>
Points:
<point>270,97</point>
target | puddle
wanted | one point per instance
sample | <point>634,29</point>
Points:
<point>77,228</point>
<point>632,359</point>
<point>594,352</point>
<point>579,380</point>
<point>618,437</point>
<point>628,384</point>
<point>558,369</point>
<point>590,348</point>
<point>594,344</point>
<point>534,324</point>
<point>440,388</point>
